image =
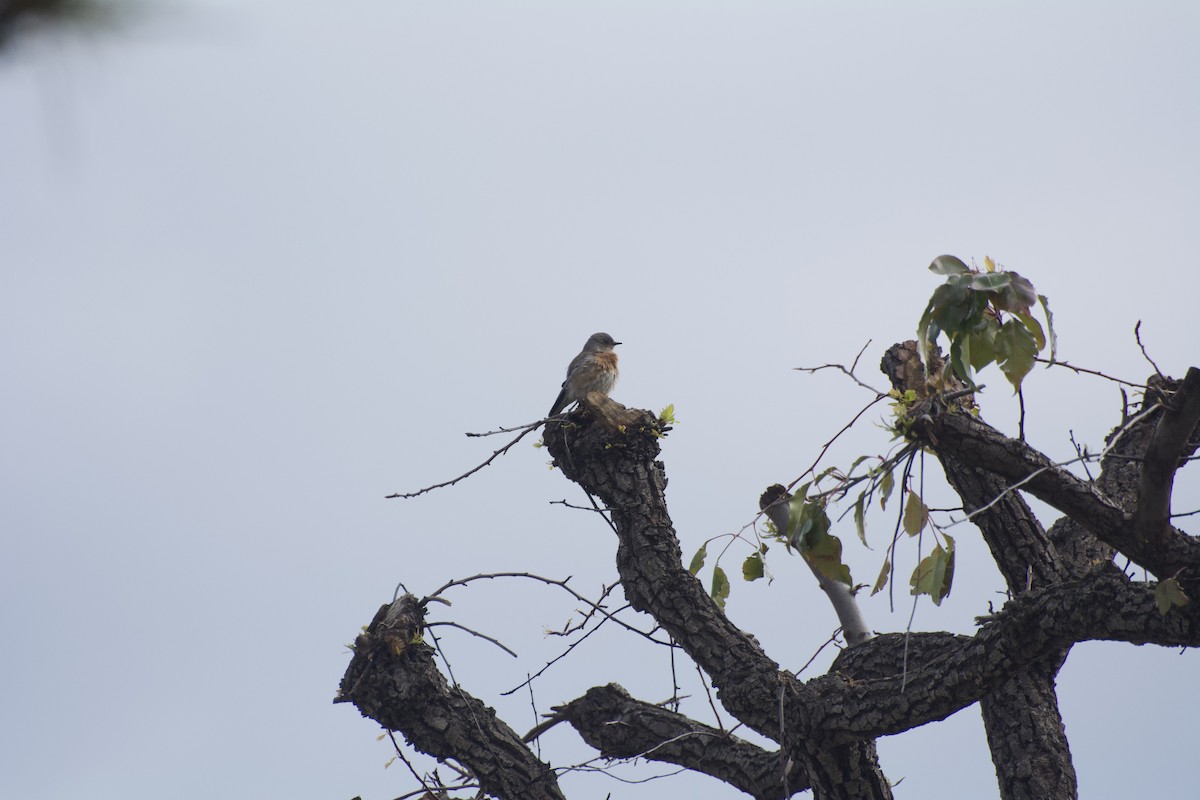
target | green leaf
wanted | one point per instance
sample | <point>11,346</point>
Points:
<point>882,580</point>
<point>1015,351</point>
<point>752,567</point>
<point>816,523</point>
<point>915,514</point>
<point>1026,295</point>
<point>825,554</point>
<point>982,343</point>
<point>859,521</point>
<point>991,281</point>
<point>886,484</point>
<point>948,265</point>
<point>1035,327</point>
<point>927,333</point>
<point>935,574</point>
<point>1169,593</point>
<point>952,306</point>
<point>720,587</point>
<point>667,415</point>
<point>857,461</point>
<point>1049,326</point>
<point>961,358</point>
<point>800,522</point>
<point>698,559</point>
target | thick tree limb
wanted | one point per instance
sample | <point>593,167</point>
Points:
<point>978,444</point>
<point>617,464</point>
<point>1017,541</point>
<point>1020,716</point>
<point>393,680</point>
<point>1176,426</point>
<point>619,726</point>
<point>1029,629</point>
<point>1026,736</point>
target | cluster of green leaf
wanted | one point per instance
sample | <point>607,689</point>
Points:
<point>667,415</point>
<point>902,403</point>
<point>987,316</point>
<point>809,530</point>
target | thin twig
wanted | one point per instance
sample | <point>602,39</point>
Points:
<point>606,517</point>
<point>711,703</point>
<point>525,432</point>
<point>848,372</point>
<point>537,424</point>
<point>854,364</point>
<point>831,640</point>
<point>896,533</point>
<point>562,584</point>
<point>825,448</point>
<point>912,616</point>
<point>787,790</point>
<point>586,766</point>
<point>565,504</point>
<point>473,633</point>
<point>1087,371</point>
<point>400,754</point>
<point>1080,451</point>
<point>533,706</point>
<point>570,647</point>
<point>674,701</point>
<point>1021,419</point>
<point>1137,334</point>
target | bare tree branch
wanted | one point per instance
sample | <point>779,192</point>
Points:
<point>524,432</point>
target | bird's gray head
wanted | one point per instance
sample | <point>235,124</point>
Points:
<point>600,341</point>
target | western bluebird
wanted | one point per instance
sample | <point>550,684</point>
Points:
<point>593,370</point>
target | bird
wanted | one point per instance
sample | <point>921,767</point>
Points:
<point>593,370</point>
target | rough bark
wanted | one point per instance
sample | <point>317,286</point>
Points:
<point>619,466</point>
<point>1020,716</point>
<point>619,726</point>
<point>1026,737</point>
<point>972,441</point>
<point>1172,440</point>
<point>393,680</point>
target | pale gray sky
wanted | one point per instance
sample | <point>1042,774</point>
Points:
<point>264,263</point>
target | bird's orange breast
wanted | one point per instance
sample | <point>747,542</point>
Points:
<point>607,360</point>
